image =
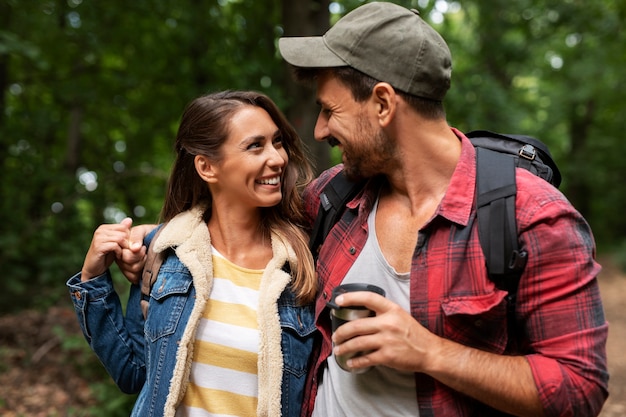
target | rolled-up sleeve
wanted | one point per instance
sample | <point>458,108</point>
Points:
<point>560,306</point>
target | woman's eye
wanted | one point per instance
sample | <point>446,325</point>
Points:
<point>254,145</point>
<point>278,141</point>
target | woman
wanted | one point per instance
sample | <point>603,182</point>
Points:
<point>229,327</point>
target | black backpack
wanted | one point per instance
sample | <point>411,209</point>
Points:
<point>497,155</point>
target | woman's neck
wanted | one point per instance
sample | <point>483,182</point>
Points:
<point>241,239</point>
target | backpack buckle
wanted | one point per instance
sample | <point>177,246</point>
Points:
<point>518,260</point>
<point>528,152</point>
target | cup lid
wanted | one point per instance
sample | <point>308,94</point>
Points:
<point>352,287</point>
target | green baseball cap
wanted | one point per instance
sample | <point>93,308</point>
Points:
<point>383,40</point>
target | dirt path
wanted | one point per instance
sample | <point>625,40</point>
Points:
<point>613,289</point>
<point>47,370</point>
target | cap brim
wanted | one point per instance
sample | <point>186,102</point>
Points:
<point>308,52</point>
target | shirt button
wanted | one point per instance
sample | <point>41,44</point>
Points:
<point>352,250</point>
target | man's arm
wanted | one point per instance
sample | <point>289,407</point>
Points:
<point>505,383</point>
<point>397,340</point>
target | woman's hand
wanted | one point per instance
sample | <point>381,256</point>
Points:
<point>133,256</point>
<point>108,243</point>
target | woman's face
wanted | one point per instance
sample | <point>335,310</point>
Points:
<point>253,161</point>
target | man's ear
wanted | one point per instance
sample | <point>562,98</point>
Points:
<point>205,168</point>
<point>385,99</point>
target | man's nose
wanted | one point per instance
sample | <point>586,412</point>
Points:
<point>321,131</point>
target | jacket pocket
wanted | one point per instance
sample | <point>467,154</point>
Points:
<point>168,297</point>
<point>478,321</point>
<point>298,332</point>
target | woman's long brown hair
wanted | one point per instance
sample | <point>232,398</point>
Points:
<point>203,129</point>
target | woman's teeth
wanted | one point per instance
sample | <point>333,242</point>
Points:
<point>270,181</point>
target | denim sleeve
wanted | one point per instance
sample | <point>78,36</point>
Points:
<point>116,339</point>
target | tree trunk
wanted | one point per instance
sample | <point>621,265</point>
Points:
<point>578,191</point>
<point>305,18</point>
<point>72,155</point>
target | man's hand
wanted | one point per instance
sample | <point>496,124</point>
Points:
<point>132,257</point>
<point>393,338</point>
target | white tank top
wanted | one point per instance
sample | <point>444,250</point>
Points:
<point>381,391</point>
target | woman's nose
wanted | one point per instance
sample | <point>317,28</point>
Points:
<point>277,157</point>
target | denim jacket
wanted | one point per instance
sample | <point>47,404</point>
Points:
<point>153,357</point>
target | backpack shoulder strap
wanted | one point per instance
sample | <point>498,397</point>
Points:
<point>150,271</point>
<point>333,199</point>
<point>497,227</point>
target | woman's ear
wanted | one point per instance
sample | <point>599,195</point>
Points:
<point>384,96</point>
<point>205,168</point>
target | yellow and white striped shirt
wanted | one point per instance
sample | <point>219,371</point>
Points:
<point>223,379</point>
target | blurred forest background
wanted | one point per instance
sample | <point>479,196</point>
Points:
<point>91,93</point>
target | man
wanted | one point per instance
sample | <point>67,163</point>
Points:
<point>438,342</point>
<point>438,345</point>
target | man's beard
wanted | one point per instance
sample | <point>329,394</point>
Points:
<point>372,156</point>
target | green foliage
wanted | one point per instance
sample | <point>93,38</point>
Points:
<point>109,401</point>
<point>619,255</point>
<point>92,95</point>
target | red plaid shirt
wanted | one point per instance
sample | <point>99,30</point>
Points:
<point>562,329</point>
